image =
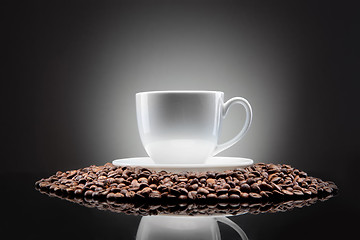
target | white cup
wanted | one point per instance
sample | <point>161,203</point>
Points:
<point>182,127</point>
<point>184,227</point>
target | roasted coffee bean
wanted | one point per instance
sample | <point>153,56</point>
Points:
<point>234,191</point>
<point>146,191</point>
<point>254,195</point>
<point>153,186</point>
<point>255,188</point>
<point>200,197</point>
<point>211,174</point>
<point>153,179</point>
<point>110,196</point>
<point>226,186</point>
<point>143,185</point>
<point>183,197</point>
<point>78,192</point>
<point>287,192</point>
<point>220,175</point>
<point>265,187</point>
<point>108,181</point>
<point>276,187</point>
<point>174,191</point>
<point>234,196</point>
<point>155,195</point>
<point>162,188</point>
<point>222,191</point>
<point>223,197</point>
<point>211,196</point>
<point>244,195</point>
<point>130,194</point>
<point>88,193</point>
<point>119,196</point>
<point>245,187</point>
<point>264,194</point>
<point>194,181</point>
<point>194,187</point>
<point>192,195</point>
<point>298,192</point>
<point>250,181</point>
<point>275,179</point>
<point>210,182</point>
<point>183,179</point>
<point>183,191</point>
<point>202,191</point>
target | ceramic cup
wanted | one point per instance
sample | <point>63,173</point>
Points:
<point>182,127</point>
<point>184,227</point>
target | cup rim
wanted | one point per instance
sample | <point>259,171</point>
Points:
<point>180,92</point>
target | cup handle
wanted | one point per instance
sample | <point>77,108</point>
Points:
<point>234,226</point>
<point>225,108</point>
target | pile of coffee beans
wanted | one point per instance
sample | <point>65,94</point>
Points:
<point>260,182</point>
<point>205,208</point>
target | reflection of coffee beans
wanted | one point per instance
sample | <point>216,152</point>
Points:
<point>255,183</point>
<point>191,208</point>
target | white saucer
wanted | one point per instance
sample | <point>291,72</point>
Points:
<point>212,164</point>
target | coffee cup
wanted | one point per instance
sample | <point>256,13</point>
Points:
<point>184,227</point>
<point>182,127</point>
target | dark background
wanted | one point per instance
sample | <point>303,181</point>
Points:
<point>71,69</point>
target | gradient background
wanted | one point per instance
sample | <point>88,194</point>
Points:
<point>73,67</point>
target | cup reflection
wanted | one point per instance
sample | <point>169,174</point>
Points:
<point>184,227</point>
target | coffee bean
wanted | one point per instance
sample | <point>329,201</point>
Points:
<point>202,191</point>
<point>211,174</point>
<point>194,181</point>
<point>210,182</point>
<point>211,196</point>
<point>155,195</point>
<point>264,194</point>
<point>174,191</point>
<point>298,192</point>
<point>223,197</point>
<point>130,194</point>
<point>183,191</point>
<point>221,175</point>
<point>110,196</point>
<point>88,193</point>
<point>250,181</point>
<point>245,187</point>
<point>78,192</point>
<point>275,179</point>
<point>183,180</point>
<point>222,191</point>
<point>192,195</point>
<point>244,195</point>
<point>255,188</point>
<point>286,192</point>
<point>276,187</point>
<point>234,196</point>
<point>153,186</point>
<point>162,188</point>
<point>119,196</point>
<point>183,197</point>
<point>226,186</point>
<point>108,181</point>
<point>265,187</point>
<point>234,191</point>
<point>70,191</point>
<point>203,180</point>
<point>254,195</point>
